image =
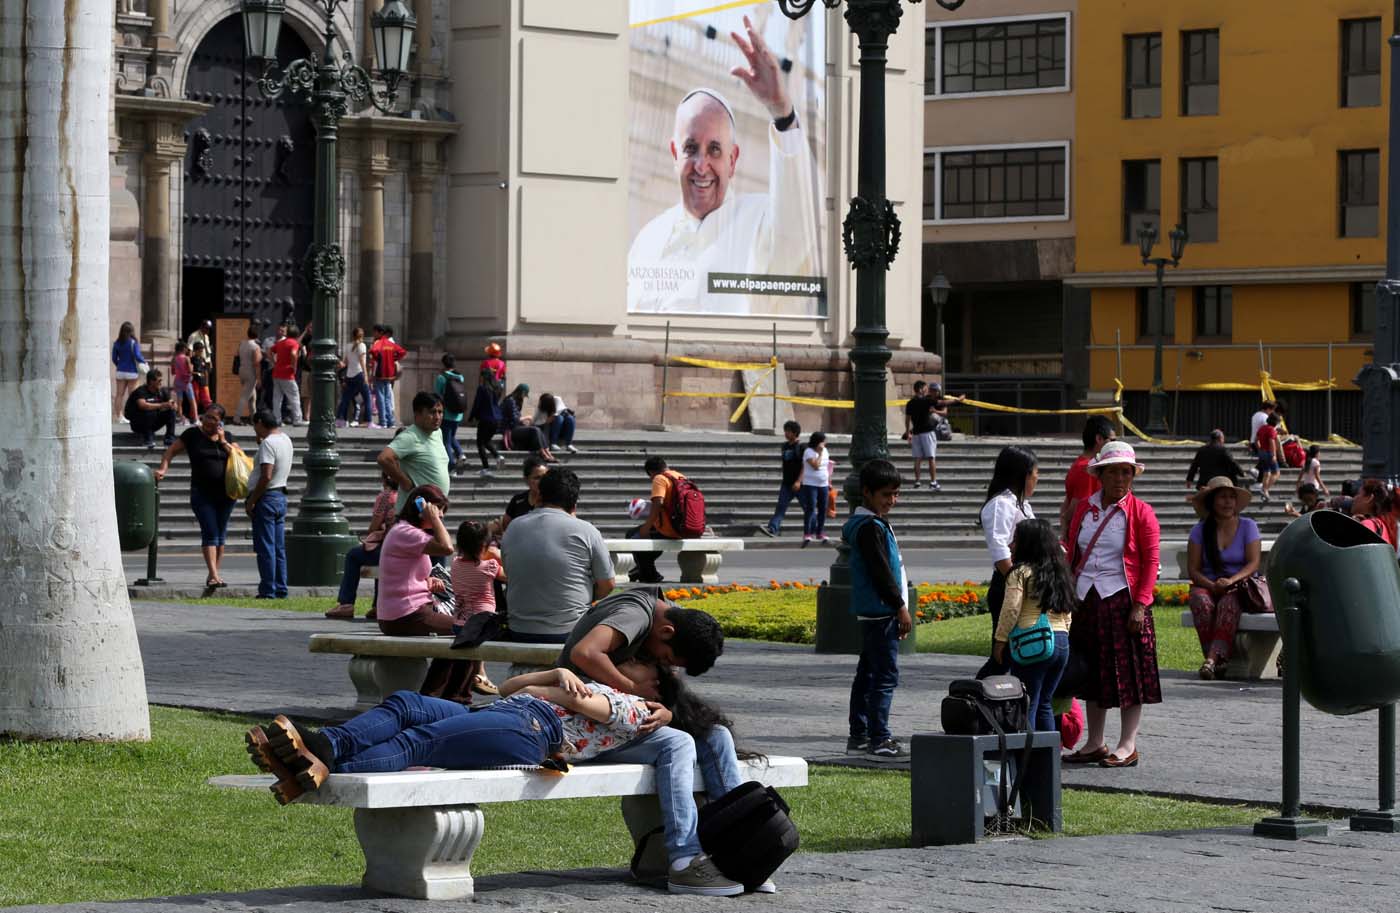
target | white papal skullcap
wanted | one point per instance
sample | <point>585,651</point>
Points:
<point>713,93</point>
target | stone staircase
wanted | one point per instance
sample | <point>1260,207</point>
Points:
<point>738,474</point>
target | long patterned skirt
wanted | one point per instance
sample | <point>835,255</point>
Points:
<point>1122,666</point>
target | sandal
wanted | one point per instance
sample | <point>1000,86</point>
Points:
<point>1207,670</point>
<point>342,611</point>
<point>1086,755</point>
<point>304,771</point>
<point>213,583</point>
<point>482,685</point>
<point>1114,761</point>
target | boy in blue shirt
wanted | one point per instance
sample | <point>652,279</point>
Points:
<point>878,599</point>
<point>792,478</point>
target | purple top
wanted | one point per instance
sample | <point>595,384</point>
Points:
<point>1231,556</point>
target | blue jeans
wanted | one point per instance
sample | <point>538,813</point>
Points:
<point>354,387</point>
<point>384,402</point>
<point>449,441</point>
<point>270,543</point>
<point>212,513</point>
<point>813,500</point>
<point>877,675</point>
<point>1040,680</point>
<point>674,754</point>
<point>785,496</point>
<point>411,730</point>
<point>355,559</point>
<point>561,429</point>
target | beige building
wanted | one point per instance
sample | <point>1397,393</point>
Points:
<point>999,127</point>
<point>496,211</point>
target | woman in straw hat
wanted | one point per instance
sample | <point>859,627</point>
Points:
<point>1113,547</point>
<point>1221,556</point>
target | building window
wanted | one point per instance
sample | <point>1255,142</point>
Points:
<point>1001,184</point>
<point>1200,184</point>
<point>1361,63</point>
<point>1003,57</point>
<point>1153,318</point>
<point>930,186</point>
<point>1142,197</point>
<point>1214,312</point>
<point>1360,173</point>
<point>1142,59</point>
<point>1363,310</point>
<point>1200,72</point>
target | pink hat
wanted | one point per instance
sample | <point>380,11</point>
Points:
<point>1115,453</point>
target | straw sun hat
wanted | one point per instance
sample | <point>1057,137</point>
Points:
<point>1115,453</point>
<point>1242,495</point>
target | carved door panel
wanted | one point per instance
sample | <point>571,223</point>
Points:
<point>248,177</point>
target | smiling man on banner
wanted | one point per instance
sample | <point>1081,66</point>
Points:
<point>713,251</point>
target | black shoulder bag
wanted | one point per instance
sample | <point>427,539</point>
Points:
<point>997,704</point>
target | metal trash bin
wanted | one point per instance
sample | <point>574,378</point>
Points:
<point>135,487</point>
<point>1349,618</point>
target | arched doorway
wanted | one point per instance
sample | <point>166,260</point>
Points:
<point>249,173</point>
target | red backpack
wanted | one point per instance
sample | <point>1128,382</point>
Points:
<point>687,507</point>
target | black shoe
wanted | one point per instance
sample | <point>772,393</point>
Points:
<point>765,531</point>
<point>855,746</point>
<point>888,750</point>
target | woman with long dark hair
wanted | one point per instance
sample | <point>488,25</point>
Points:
<point>1222,553</point>
<point>127,359</point>
<point>1007,503</point>
<point>1039,584</point>
<point>1311,473</point>
<point>1371,507</point>
<point>816,464</point>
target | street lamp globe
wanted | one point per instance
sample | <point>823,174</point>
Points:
<point>938,288</point>
<point>1147,238</point>
<point>262,25</point>
<point>393,28</point>
<point>1178,242</point>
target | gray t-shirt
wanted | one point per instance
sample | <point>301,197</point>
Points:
<point>276,449</point>
<point>628,611</point>
<point>552,560</point>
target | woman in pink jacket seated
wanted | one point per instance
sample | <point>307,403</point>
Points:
<point>1113,548</point>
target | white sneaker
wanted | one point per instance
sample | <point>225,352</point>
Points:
<point>571,448</point>
<point>487,474</point>
<point>701,877</point>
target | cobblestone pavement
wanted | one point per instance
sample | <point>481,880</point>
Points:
<point>1186,872</point>
<point>1218,740</point>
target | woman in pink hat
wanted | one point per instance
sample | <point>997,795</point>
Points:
<point>1113,548</point>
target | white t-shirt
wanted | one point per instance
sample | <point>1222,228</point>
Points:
<point>1256,421</point>
<point>999,518</point>
<point>355,361</point>
<point>276,449</point>
<point>818,476</point>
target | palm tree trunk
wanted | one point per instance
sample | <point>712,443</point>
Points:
<point>70,667</point>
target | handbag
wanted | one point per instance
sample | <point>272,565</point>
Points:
<point>1254,595</point>
<point>1032,645</point>
<point>997,704</point>
<point>237,470</point>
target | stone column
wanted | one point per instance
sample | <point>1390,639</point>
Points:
<point>374,167</point>
<point>422,304</point>
<point>161,39</point>
<point>165,147</point>
<point>423,37</point>
<point>371,7</point>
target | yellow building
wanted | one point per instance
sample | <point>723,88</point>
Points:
<point>1263,134</point>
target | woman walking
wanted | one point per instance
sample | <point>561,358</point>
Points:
<point>355,385</point>
<point>812,495</point>
<point>1311,473</point>
<point>208,446</point>
<point>1014,478</point>
<point>130,365</point>
<point>1222,557</point>
<point>1113,546</point>
<point>486,412</point>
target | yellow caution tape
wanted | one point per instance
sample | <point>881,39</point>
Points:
<point>743,406</point>
<point>997,407</point>
<point>725,365</point>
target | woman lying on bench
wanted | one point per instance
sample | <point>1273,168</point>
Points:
<point>544,719</point>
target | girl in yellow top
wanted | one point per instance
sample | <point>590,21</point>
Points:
<point>1039,583</point>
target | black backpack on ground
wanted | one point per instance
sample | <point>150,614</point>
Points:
<point>748,833</point>
<point>996,705</point>
<point>454,394</point>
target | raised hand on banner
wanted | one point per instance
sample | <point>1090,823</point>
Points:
<point>762,75</point>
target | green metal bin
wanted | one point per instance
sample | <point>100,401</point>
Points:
<point>136,504</point>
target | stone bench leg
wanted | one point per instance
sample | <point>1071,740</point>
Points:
<point>377,677</point>
<point>642,814</point>
<point>623,564</point>
<point>420,852</point>
<point>1255,655</point>
<point>699,567</point>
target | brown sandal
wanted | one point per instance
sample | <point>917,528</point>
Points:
<point>1086,755</point>
<point>345,612</point>
<point>482,685</point>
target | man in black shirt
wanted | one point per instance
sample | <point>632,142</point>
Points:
<point>1212,460</point>
<point>918,431</point>
<point>792,478</point>
<point>149,407</point>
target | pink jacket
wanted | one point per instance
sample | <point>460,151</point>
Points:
<point>1141,558</point>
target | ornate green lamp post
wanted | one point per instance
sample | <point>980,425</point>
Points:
<point>871,237</point>
<point>320,536</point>
<point>1147,239</point>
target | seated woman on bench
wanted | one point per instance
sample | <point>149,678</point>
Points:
<point>543,719</point>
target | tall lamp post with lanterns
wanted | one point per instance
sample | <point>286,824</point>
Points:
<point>871,237</point>
<point>1147,239</point>
<point>320,536</point>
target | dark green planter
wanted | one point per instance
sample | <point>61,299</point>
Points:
<point>838,631</point>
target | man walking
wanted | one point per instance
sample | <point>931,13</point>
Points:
<point>1212,460</point>
<point>792,478</point>
<point>284,374</point>
<point>267,504</point>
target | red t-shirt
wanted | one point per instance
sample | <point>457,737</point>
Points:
<point>1266,439</point>
<point>495,366</point>
<point>1079,483</point>
<point>284,354</point>
<point>385,355</point>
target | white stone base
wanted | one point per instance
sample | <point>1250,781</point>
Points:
<point>699,567</point>
<point>377,677</point>
<point>420,852</point>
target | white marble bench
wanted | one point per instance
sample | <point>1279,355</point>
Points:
<point>1257,646</point>
<point>419,829</point>
<point>699,559</point>
<point>381,664</point>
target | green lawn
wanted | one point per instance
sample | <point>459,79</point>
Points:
<point>89,822</point>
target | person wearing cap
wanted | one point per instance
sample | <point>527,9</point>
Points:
<point>1222,553</point>
<point>201,335</point>
<point>1113,545</point>
<point>494,363</point>
<point>711,230</point>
